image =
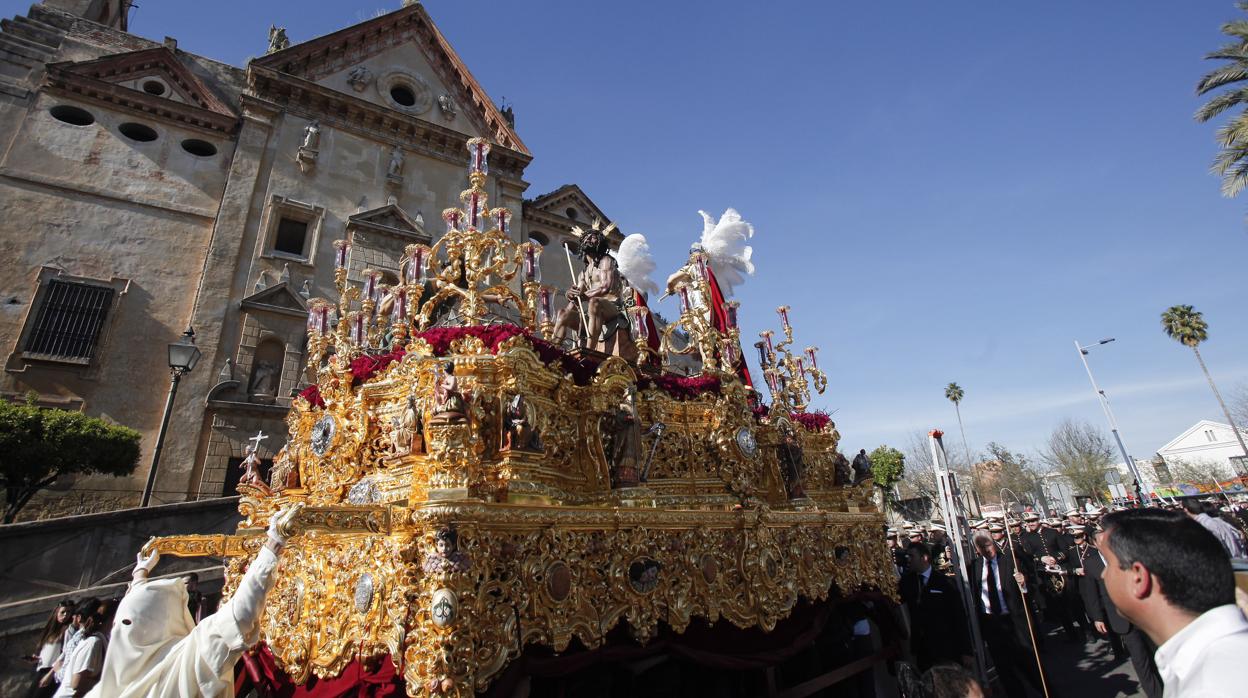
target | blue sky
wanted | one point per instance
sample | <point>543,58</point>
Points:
<point>942,191</point>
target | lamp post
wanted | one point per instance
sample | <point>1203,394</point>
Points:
<point>1109,415</point>
<point>183,355</point>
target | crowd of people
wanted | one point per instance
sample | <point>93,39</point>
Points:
<point>1154,583</point>
<point>71,648</point>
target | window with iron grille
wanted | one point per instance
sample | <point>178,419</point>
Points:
<point>69,321</point>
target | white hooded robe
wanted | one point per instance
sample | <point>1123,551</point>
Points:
<point>161,652</point>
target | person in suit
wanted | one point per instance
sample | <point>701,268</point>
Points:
<point>1086,568</point>
<point>1046,546</point>
<point>1000,595</point>
<point>938,631</point>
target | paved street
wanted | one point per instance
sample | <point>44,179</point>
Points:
<point>1086,670</point>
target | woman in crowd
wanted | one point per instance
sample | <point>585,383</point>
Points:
<point>49,649</point>
<point>81,669</point>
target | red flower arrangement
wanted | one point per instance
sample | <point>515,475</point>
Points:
<point>367,366</point>
<point>812,421</point>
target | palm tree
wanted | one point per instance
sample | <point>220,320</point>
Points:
<point>1186,326</point>
<point>1232,162</point>
<point>954,393</point>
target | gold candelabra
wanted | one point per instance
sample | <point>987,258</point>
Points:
<point>718,343</point>
<point>473,264</point>
<point>788,375</point>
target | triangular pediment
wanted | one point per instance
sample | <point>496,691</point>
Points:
<point>149,78</point>
<point>391,220</point>
<point>401,49</point>
<point>278,298</point>
<point>571,203</point>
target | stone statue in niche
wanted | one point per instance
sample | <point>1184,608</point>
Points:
<point>285,472</point>
<point>623,428</point>
<point>407,437</point>
<point>395,169</point>
<point>311,135</point>
<point>446,105</point>
<point>263,380</point>
<point>791,465</point>
<point>449,404</point>
<point>446,555</point>
<point>844,475</point>
<point>519,429</point>
<point>277,39</point>
<point>360,78</point>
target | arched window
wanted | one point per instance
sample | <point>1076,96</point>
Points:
<point>266,371</point>
<point>539,238</point>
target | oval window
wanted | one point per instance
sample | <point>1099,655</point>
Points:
<point>403,95</point>
<point>137,132</point>
<point>72,115</point>
<point>199,148</point>
<point>153,88</point>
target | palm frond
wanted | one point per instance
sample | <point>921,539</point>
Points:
<point>1227,158</point>
<point>1237,28</point>
<point>1235,132</point>
<point>1184,324</point>
<point>1234,51</point>
<point>1220,103</point>
<point>1222,76</point>
<point>1234,181</point>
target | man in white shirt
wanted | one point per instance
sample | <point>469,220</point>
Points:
<point>1171,577</point>
<point>81,669</point>
<point>1227,535</point>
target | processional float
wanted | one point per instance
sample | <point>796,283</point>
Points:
<point>471,487</point>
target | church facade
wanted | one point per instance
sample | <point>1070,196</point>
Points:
<point>145,190</point>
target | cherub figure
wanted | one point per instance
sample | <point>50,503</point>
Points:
<point>445,556</point>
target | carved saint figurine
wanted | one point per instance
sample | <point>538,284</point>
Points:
<point>862,466</point>
<point>520,433</point>
<point>449,405</point>
<point>395,169</point>
<point>311,135</point>
<point>791,466</point>
<point>624,428</point>
<point>445,556</point>
<point>285,472</point>
<point>277,38</point>
<point>251,473</point>
<point>598,292</point>
<point>406,437</point>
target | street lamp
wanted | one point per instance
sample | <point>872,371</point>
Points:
<point>1109,415</point>
<point>183,355</point>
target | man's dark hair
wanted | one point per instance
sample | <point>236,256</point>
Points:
<point>87,606</point>
<point>1193,506</point>
<point>948,681</point>
<point>1211,508</point>
<point>1188,561</point>
<point>923,549</point>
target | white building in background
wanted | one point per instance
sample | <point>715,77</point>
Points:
<point>1207,442</point>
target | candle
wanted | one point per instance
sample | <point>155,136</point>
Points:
<point>700,259</point>
<point>810,354</point>
<point>453,218</point>
<point>730,312</point>
<point>416,263</point>
<point>784,317</point>
<point>474,209</point>
<point>370,284</point>
<point>323,320</point>
<point>502,220</point>
<point>766,335</point>
<point>729,352</point>
<point>532,261</point>
<point>341,249</point>
<point>762,354</point>
<point>643,327</point>
<point>478,149</point>
<point>312,316</point>
<point>684,299</point>
<point>801,365</point>
<point>771,381</point>
<point>356,320</point>
<point>544,304</point>
<point>400,305</point>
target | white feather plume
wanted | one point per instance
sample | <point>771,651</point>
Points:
<point>636,263</point>
<point>724,242</point>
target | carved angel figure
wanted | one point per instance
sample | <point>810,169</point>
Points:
<point>449,405</point>
<point>277,38</point>
<point>445,556</point>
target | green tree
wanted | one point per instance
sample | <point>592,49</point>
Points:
<point>1187,326</point>
<point>1017,473</point>
<point>37,446</point>
<point>1081,454</point>
<point>954,393</point>
<point>1231,163</point>
<point>888,465</point>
